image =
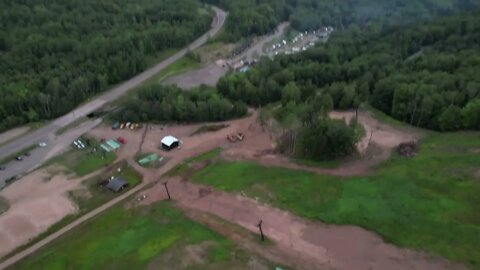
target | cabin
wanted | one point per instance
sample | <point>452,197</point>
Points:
<point>117,184</point>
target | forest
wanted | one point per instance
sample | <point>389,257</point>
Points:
<point>253,17</point>
<point>162,103</point>
<point>56,54</point>
<point>425,75</point>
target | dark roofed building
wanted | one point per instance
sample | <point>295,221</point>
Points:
<point>117,184</point>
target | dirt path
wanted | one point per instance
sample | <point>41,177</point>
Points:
<point>307,244</point>
<point>258,145</point>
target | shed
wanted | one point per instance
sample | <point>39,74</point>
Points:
<point>113,144</point>
<point>117,184</point>
<point>169,142</point>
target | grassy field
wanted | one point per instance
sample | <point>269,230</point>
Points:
<point>148,237</point>
<point>81,162</point>
<point>96,197</point>
<point>430,202</point>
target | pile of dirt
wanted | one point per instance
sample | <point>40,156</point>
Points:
<point>407,149</point>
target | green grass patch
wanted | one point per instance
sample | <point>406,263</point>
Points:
<point>19,153</point>
<point>429,202</point>
<point>182,167</point>
<point>182,65</point>
<point>209,128</point>
<point>385,118</point>
<point>100,195</point>
<point>83,161</point>
<point>139,238</point>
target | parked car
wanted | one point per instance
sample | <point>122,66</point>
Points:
<point>2,167</point>
<point>42,144</point>
<point>116,126</point>
<point>19,158</point>
<point>27,154</point>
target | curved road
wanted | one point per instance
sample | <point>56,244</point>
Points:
<point>47,133</point>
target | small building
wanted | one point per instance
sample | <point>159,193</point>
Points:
<point>117,184</point>
<point>169,142</point>
<point>244,69</point>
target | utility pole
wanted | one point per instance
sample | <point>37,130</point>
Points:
<point>168,193</point>
<point>260,228</point>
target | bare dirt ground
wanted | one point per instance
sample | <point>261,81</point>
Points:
<point>36,203</point>
<point>259,144</point>
<point>12,134</point>
<point>208,75</point>
<point>300,243</point>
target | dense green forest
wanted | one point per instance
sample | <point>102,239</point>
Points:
<point>249,17</point>
<point>55,54</point>
<point>426,75</point>
<point>169,103</point>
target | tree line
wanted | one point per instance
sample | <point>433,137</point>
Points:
<point>162,103</point>
<point>252,17</point>
<point>425,75</point>
<point>56,54</point>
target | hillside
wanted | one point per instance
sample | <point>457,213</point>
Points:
<point>249,17</point>
<point>425,75</point>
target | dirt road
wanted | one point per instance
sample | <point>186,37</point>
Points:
<point>307,244</point>
<point>257,145</point>
<point>46,133</point>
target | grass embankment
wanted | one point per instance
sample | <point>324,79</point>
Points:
<point>3,205</point>
<point>182,167</point>
<point>148,237</point>
<point>182,65</point>
<point>73,124</point>
<point>430,202</point>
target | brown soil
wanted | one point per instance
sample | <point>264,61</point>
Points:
<point>300,243</point>
<point>35,205</point>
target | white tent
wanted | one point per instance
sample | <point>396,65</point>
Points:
<point>169,142</point>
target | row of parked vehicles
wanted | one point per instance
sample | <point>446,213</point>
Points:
<point>127,125</point>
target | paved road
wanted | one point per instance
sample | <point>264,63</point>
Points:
<point>47,133</point>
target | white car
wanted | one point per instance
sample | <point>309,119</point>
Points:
<point>42,144</point>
